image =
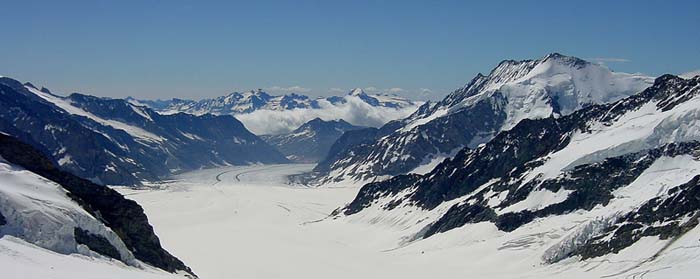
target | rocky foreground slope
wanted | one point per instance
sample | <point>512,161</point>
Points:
<point>63,213</point>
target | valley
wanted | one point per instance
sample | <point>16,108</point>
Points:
<point>350,139</point>
<point>247,222</point>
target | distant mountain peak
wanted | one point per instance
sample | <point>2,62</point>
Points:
<point>552,86</point>
<point>318,122</point>
<point>564,59</point>
<point>315,120</point>
<point>357,92</point>
<point>311,141</point>
<point>105,139</point>
<point>29,84</point>
<point>253,100</point>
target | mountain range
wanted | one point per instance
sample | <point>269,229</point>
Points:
<point>553,86</point>
<point>247,102</point>
<point>113,141</point>
<point>556,161</point>
<point>310,142</point>
<point>622,172</point>
<point>265,114</point>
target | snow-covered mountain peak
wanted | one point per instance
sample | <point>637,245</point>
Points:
<point>29,84</point>
<point>260,94</point>
<point>506,71</point>
<point>247,95</point>
<point>565,59</point>
<point>628,170</point>
<point>317,123</point>
<point>555,84</point>
<point>312,122</point>
<point>266,114</point>
<point>357,92</point>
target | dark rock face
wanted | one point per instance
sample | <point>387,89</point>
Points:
<point>125,217</point>
<point>442,135</point>
<point>373,191</point>
<point>343,145</point>
<point>96,243</point>
<point>452,178</point>
<point>663,216</point>
<point>310,142</point>
<point>127,144</point>
<point>500,168</point>
<point>2,220</point>
<point>589,185</point>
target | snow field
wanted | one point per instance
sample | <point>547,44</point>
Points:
<point>250,224</point>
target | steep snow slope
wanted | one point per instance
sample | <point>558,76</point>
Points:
<point>22,260</point>
<point>555,85</point>
<point>40,236</point>
<point>40,212</point>
<point>616,183</point>
<point>65,214</point>
<point>66,104</point>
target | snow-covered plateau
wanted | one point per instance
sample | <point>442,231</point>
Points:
<point>247,222</point>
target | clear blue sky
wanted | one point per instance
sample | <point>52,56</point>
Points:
<point>162,49</point>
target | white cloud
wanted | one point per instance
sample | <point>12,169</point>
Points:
<point>396,90</point>
<point>411,93</point>
<point>691,74</point>
<point>425,93</point>
<point>290,89</point>
<point>336,90</point>
<point>608,59</point>
<point>355,111</point>
<point>371,89</point>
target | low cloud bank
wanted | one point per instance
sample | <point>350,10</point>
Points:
<point>691,74</point>
<point>354,111</point>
